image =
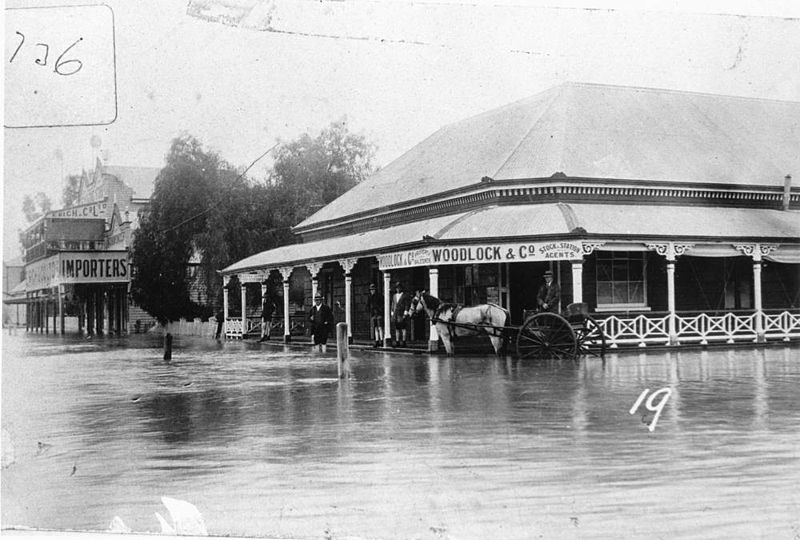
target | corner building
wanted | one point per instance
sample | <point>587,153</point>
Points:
<point>671,214</point>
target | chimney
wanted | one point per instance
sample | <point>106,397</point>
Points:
<point>787,191</point>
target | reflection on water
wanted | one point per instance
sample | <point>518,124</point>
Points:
<point>269,442</point>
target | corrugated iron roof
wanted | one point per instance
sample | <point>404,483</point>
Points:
<point>536,221</point>
<point>594,131</point>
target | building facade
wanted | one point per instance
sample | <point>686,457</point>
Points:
<point>77,258</point>
<point>671,214</point>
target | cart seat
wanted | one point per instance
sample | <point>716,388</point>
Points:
<point>577,312</point>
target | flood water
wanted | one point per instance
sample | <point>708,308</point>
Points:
<point>267,442</point>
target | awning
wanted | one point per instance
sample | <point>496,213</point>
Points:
<point>622,222</point>
<point>16,295</point>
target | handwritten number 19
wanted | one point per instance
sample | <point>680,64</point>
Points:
<point>657,408</point>
<point>63,67</point>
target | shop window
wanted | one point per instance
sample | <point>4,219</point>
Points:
<point>621,280</point>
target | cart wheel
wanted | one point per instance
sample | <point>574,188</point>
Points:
<point>547,336</point>
<point>591,339</point>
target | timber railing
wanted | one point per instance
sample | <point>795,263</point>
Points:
<point>652,328</point>
<point>233,326</point>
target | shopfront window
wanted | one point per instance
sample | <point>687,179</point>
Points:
<point>621,280</point>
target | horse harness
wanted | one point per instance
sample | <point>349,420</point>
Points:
<point>451,323</point>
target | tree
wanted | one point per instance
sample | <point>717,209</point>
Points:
<point>202,205</point>
<point>312,172</point>
<point>164,241</point>
<point>36,206</point>
<point>69,197</point>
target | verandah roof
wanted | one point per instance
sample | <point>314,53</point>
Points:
<point>543,221</point>
<point>592,131</point>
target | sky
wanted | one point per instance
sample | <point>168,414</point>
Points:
<point>395,71</point>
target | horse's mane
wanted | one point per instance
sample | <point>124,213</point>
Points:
<point>431,301</point>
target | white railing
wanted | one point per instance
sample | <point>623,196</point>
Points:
<point>701,328</point>
<point>728,327</point>
<point>233,328</point>
<point>637,330</point>
<point>782,325</point>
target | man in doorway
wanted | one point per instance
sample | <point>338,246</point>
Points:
<point>401,303</point>
<point>321,318</point>
<point>375,312</point>
<point>549,294</point>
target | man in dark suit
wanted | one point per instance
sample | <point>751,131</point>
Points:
<point>549,294</point>
<point>375,312</point>
<point>321,318</point>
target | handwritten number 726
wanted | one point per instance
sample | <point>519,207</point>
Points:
<point>60,68</point>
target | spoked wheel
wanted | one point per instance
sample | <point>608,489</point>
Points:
<point>591,339</point>
<point>547,336</point>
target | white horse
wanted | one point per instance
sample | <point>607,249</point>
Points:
<point>452,320</point>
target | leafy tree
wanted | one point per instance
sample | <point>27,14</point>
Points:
<point>69,197</point>
<point>309,173</point>
<point>36,206</point>
<point>164,242</point>
<point>201,205</point>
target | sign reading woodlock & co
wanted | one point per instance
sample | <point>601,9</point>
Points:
<point>483,253</point>
<point>78,267</point>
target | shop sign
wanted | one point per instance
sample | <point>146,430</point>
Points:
<point>84,211</point>
<point>78,267</point>
<point>483,253</point>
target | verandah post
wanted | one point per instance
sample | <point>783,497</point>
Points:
<point>577,281</point>
<point>243,288</point>
<point>286,272</point>
<point>347,265</point>
<point>387,298</point>
<point>760,335</point>
<point>433,285</point>
<point>225,281</point>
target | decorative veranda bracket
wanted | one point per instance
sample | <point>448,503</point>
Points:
<point>286,272</point>
<point>314,268</point>
<point>670,250</point>
<point>589,247</point>
<point>756,251</point>
<point>347,264</point>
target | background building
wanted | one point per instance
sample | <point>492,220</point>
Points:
<point>77,258</point>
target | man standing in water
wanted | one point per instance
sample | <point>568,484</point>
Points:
<point>321,318</point>
<point>267,309</point>
<point>375,312</point>
<point>549,294</point>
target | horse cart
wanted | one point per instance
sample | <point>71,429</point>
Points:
<point>569,335</point>
<point>542,335</point>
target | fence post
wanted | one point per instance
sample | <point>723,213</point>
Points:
<point>342,351</point>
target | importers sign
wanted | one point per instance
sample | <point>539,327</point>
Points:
<point>483,253</point>
<point>78,267</point>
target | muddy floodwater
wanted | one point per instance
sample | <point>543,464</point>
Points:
<point>267,442</point>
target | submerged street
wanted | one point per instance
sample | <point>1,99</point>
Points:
<point>266,441</point>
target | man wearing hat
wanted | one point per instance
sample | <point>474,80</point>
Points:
<point>375,312</point>
<point>549,294</point>
<point>321,318</point>
<point>401,303</point>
